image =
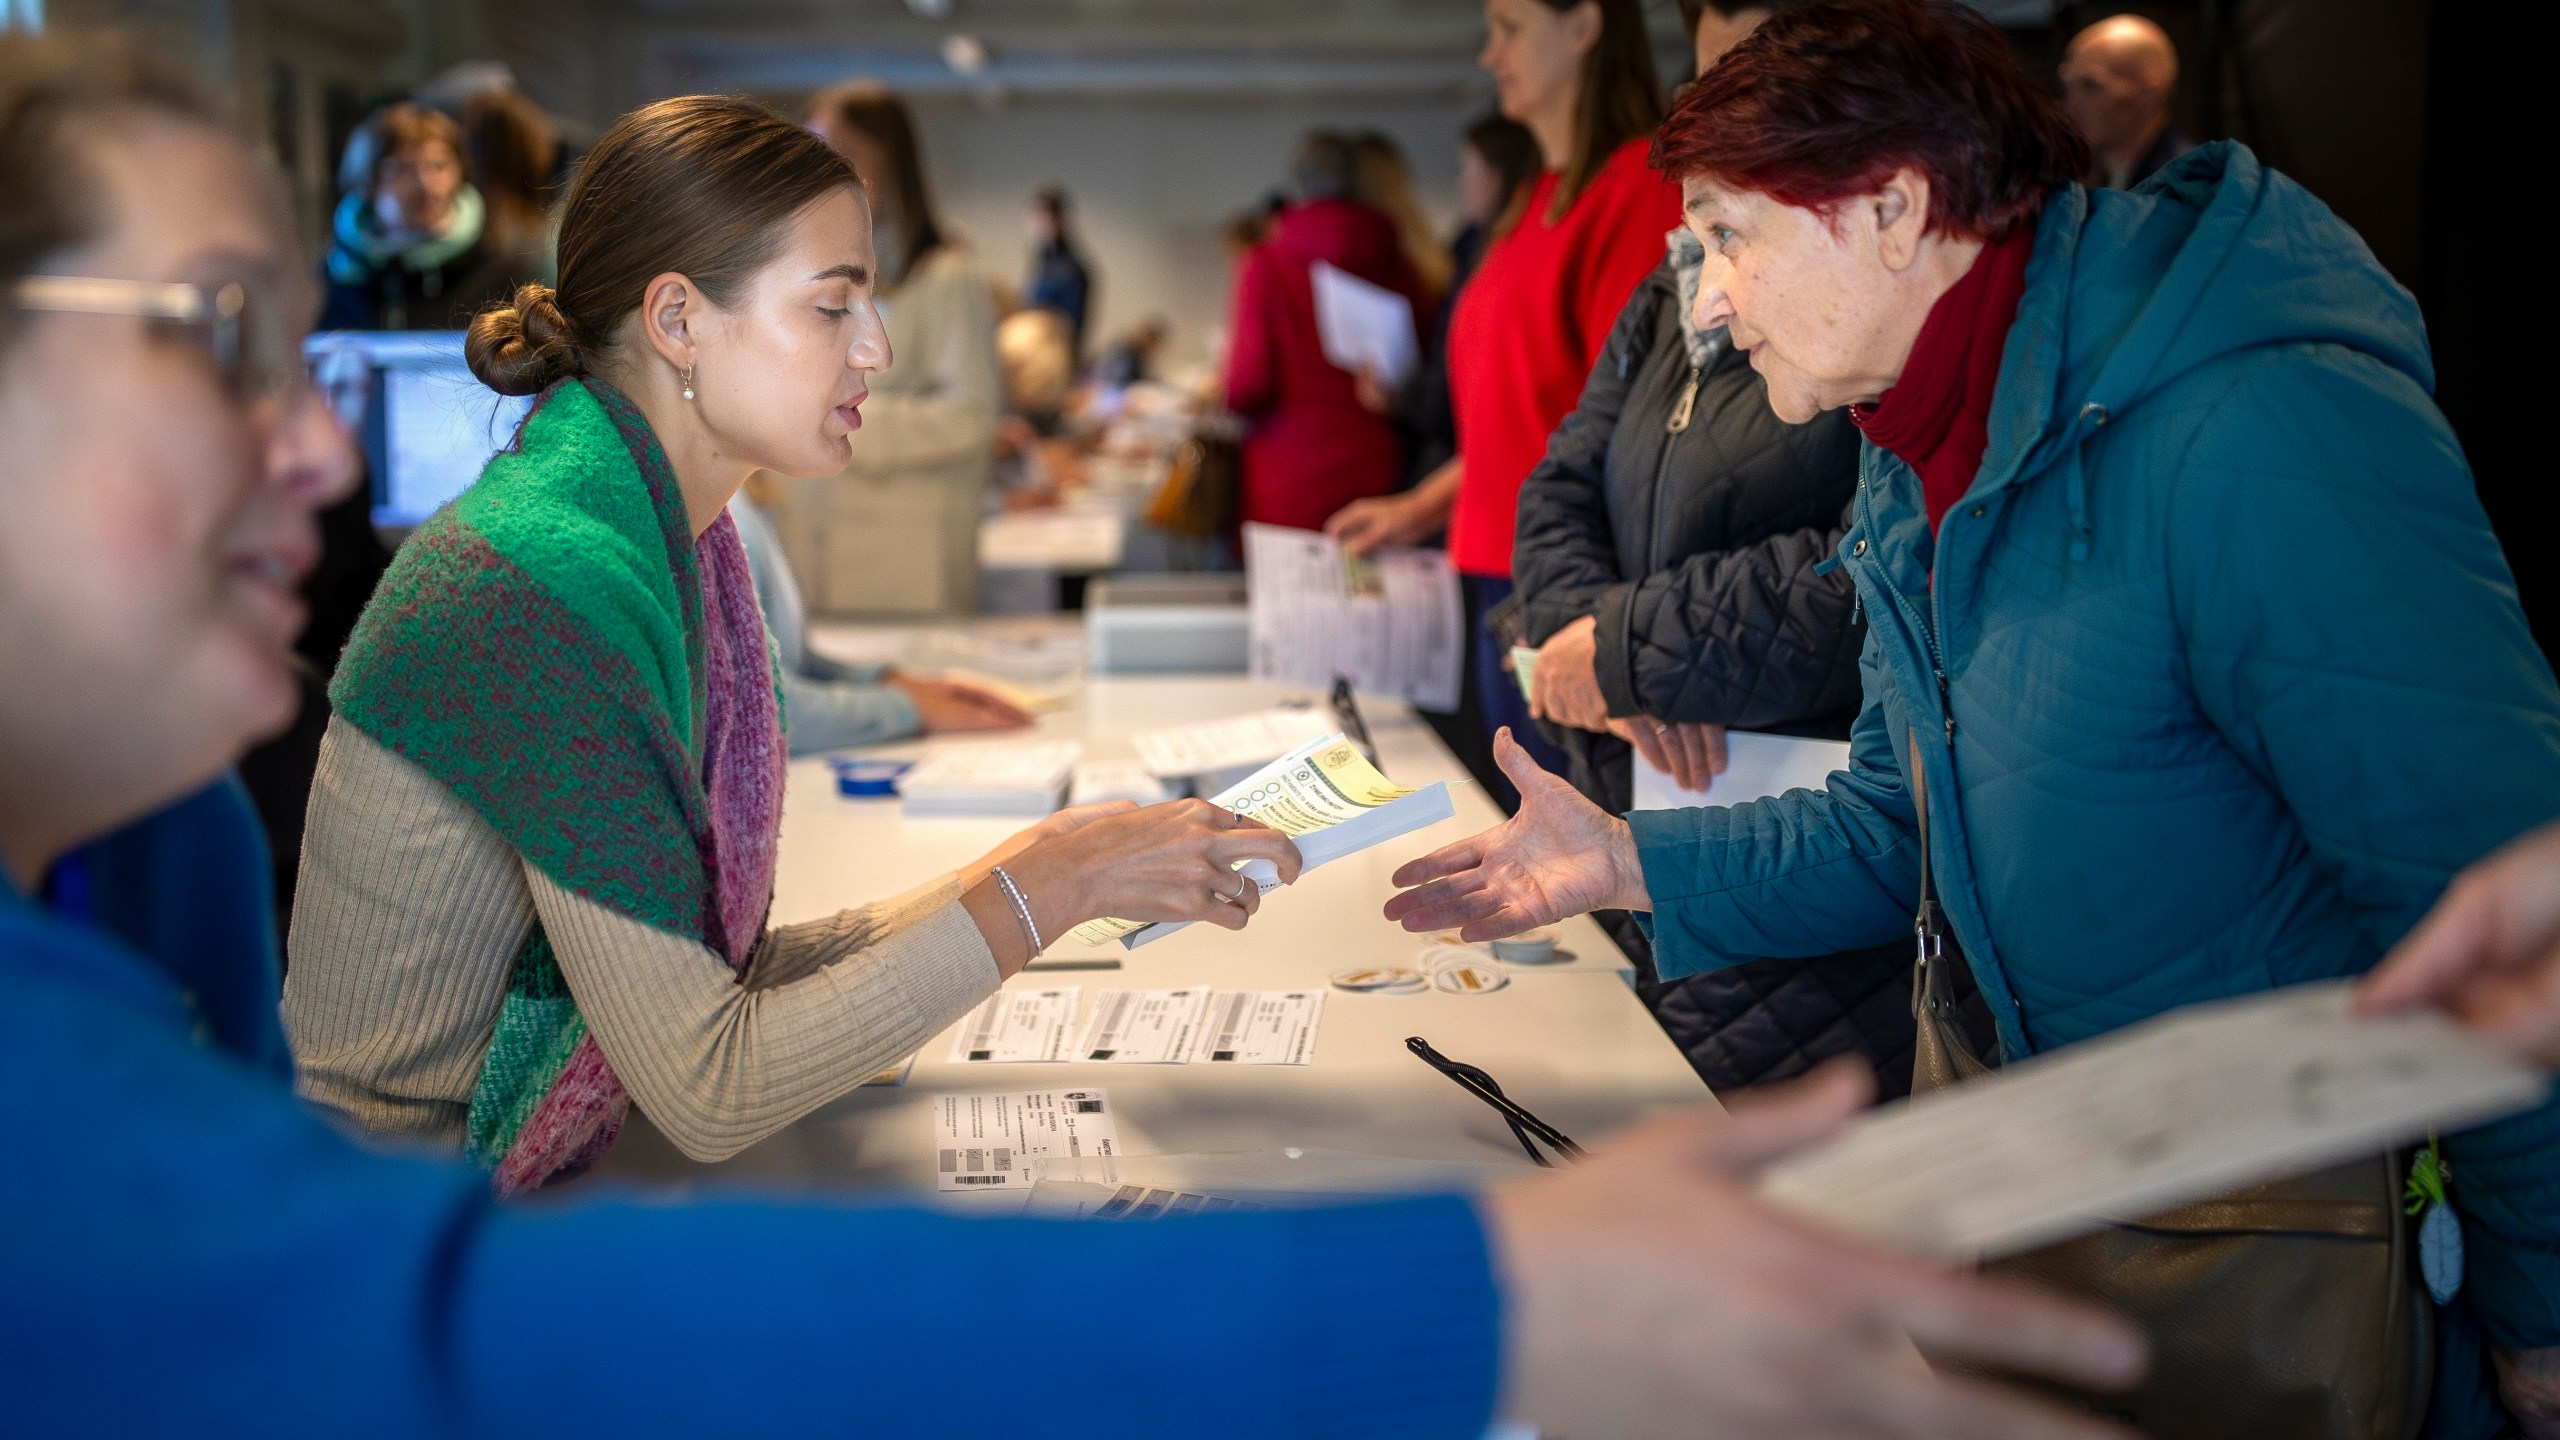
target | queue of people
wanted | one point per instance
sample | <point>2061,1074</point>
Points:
<point>2086,482</point>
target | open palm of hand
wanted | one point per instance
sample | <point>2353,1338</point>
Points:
<point>1561,855</point>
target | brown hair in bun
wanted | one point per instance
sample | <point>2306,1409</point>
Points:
<point>525,345</point>
<point>699,186</point>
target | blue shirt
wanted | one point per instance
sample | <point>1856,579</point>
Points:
<point>191,1251</point>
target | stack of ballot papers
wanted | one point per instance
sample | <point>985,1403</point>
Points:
<point>1215,754</point>
<point>1325,795</point>
<point>1099,780</point>
<point>1192,1025</point>
<point>1018,779</point>
<point>986,1143</point>
<point>1390,622</point>
<point>2196,1103</point>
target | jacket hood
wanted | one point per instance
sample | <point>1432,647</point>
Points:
<point>1342,233</point>
<point>2128,291</point>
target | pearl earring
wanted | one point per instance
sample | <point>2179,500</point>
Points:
<point>688,382</point>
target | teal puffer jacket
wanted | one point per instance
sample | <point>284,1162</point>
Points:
<point>2222,677</point>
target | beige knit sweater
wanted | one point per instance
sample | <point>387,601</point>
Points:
<point>410,911</point>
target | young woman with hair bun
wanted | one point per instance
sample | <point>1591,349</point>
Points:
<point>541,843</point>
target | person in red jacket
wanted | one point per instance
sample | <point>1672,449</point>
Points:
<point>1314,444</point>
<point>1579,74</point>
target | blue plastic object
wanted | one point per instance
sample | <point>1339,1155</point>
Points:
<point>869,777</point>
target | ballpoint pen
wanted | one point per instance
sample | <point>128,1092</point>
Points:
<point>1525,1127</point>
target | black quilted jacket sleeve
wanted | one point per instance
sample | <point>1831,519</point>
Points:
<point>1745,638</point>
<point>1566,553</point>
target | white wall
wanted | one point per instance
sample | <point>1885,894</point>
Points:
<point>1154,181</point>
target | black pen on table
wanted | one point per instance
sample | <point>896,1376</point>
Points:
<point>1476,1082</point>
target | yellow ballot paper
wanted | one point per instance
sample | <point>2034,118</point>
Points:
<point>1326,796</point>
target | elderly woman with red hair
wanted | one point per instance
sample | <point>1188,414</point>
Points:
<point>2183,615</point>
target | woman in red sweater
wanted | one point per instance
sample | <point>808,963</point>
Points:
<point>1579,74</point>
<point>1314,447</point>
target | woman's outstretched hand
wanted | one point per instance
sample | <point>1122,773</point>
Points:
<point>1561,855</point>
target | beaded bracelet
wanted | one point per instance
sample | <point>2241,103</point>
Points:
<point>1021,909</point>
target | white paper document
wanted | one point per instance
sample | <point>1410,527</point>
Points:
<point>1260,1027</point>
<point>1143,1027</point>
<point>986,1142</point>
<point>1099,780</point>
<point>1759,766</point>
<point>1009,778</point>
<point>1015,1026</point>
<point>1390,623</point>
<point>1363,326</point>
<point>1213,745</point>
<point>1327,797</point>
<point>2178,1109</point>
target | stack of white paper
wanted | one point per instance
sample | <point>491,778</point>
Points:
<point>1198,1025</point>
<point>1025,779</point>
<point>1389,622</point>
<point>1100,780</point>
<point>1212,749</point>
<point>986,1142</point>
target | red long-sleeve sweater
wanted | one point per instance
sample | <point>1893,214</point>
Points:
<point>1528,328</point>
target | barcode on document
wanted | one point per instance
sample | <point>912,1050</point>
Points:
<point>1229,1024</point>
<point>1106,1037</point>
<point>982,1028</point>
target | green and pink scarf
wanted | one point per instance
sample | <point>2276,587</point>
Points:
<point>559,649</point>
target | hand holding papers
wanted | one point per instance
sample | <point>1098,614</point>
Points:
<point>1328,798</point>
<point>2180,1108</point>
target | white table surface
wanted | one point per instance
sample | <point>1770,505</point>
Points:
<point>1570,1041</point>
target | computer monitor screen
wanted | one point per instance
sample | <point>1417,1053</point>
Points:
<point>426,422</point>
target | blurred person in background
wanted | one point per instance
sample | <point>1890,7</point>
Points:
<point>1497,163</point>
<point>408,251</point>
<point>2183,618</point>
<point>831,704</point>
<point>1060,279</point>
<point>1037,351</point>
<point>195,1253</point>
<point>897,532</point>
<point>1313,441</point>
<point>1579,75</point>
<point>2119,79</point>
<point>1669,561</point>
<point>515,163</point>
<point>1383,181</point>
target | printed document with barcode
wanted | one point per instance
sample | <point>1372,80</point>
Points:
<point>1016,1026</point>
<point>1260,1027</point>
<point>985,1142</point>
<point>1143,1027</point>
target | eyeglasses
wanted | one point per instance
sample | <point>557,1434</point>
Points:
<point>248,342</point>
<point>1525,1127</point>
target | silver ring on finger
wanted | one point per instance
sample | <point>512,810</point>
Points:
<point>1238,897</point>
<point>1660,728</point>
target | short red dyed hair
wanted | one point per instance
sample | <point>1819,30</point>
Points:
<point>1825,103</point>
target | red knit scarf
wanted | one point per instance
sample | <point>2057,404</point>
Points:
<point>1937,416</point>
